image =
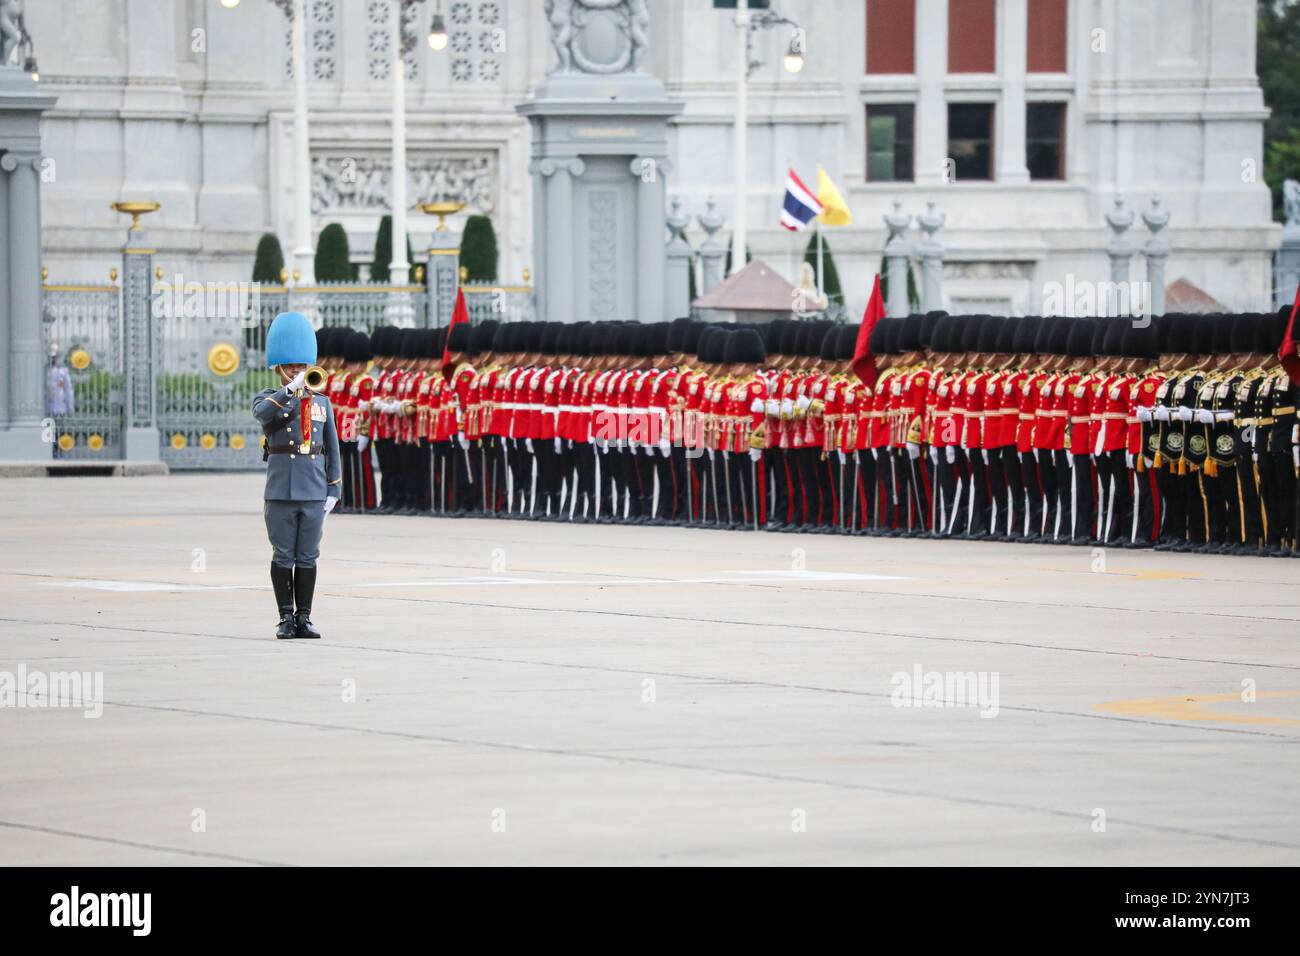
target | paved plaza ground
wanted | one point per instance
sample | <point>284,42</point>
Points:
<point>500,692</point>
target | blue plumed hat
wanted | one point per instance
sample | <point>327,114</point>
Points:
<point>290,341</point>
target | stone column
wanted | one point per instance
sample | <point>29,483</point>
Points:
<point>931,251</point>
<point>651,264</point>
<point>678,300</point>
<point>896,252</point>
<point>1120,249</point>
<point>26,397</point>
<point>931,105</point>
<point>540,221</point>
<point>713,252</point>
<point>1013,63</point>
<point>140,429</point>
<point>6,311</point>
<point>1157,251</point>
<point>560,289</point>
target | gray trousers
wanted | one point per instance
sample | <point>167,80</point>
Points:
<point>294,528</point>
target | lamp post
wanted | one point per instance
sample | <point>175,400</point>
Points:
<point>304,258</point>
<point>748,23</point>
<point>403,44</point>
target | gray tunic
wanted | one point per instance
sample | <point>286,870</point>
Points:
<point>296,476</point>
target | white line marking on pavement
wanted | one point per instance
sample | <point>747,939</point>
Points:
<point>493,580</point>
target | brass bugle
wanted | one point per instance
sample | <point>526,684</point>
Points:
<point>315,378</point>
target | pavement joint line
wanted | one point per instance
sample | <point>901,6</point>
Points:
<point>158,847</point>
<point>1287,738</point>
<point>734,772</point>
<point>327,645</point>
<point>835,630</point>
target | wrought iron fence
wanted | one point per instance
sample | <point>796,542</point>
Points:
<point>500,303</point>
<point>84,372</point>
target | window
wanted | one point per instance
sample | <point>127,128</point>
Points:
<point>1045,140</point>
<point>1047,33</point>
<point>891,36</point>
<point>889,143</point>
<point>970,140</point>
<point>972,36</point>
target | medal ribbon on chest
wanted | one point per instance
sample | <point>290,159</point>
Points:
<point>304,421</point>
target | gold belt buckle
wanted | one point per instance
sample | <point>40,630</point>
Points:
<point>304,448</point>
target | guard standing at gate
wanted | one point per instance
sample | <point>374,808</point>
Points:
<point>303,475</point>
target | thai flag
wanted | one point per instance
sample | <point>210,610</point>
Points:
<point>800,207</point>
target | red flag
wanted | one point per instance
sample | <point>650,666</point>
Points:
<point>1287,351</point>
<point>459,315</point>
<point>864,366</point>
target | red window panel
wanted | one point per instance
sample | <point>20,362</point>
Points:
<point>972,36</point>
<point>891,36</point>
<point>1047,35</point>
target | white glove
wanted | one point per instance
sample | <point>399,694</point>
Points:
<point>841,454</point>
<point>528,444</point>
<point>299,381</point>
<point>1144,414</point>
<point>559,444</point>
<point>649,449</point>
<point>1101,440</point>
<point>363,443</point>
<point>803,403</point>
<point>1161,414</point>
<point>665,448</point>
<point>914,451</point>
<point>755,454</point>
<point>1224,416</point>
<point>773,408</point>
<point>758,406</point>
<point>1069,458</point>
<point>985,453</point>
<point>464,442</point>
<point>330,503</point>
<point>363,406</point>
<point>787,407</point>
<point>1128,460</point>
<point>1184,413</point>
<point>1204,416</point>
<point>934,454</point>
<point>710,451</point>
<point>952,454</point>
<point>1295,455</point>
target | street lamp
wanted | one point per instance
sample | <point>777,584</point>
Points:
<point>304,259</point>
<point>748,23</point>
<point>438,31</point>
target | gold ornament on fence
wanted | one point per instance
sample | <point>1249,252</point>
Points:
<point>79,359</point>
<point>223,359</point>
<point>95,442</point>
<point>237,442</point>
<point>178,441</point>
<point>67,442</point>
<point>208,442</point>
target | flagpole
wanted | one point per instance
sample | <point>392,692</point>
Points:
<point>739,224</point>
<point>821,283</point>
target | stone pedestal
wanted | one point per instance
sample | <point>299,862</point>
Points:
<point>442,277</point>
<point>678,290</point>
<point>22,393</point>
<point>599,168</point>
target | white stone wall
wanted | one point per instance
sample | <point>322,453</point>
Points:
<point>1170,107</point>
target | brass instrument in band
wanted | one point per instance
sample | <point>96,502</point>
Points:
<point>315,378</point>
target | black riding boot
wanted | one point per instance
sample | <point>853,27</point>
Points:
<point>282,586</point>
<point>304,585</point>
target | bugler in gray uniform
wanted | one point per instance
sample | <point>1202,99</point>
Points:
<point>303,474</point>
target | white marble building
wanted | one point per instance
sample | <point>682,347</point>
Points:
<point>1052,108</point>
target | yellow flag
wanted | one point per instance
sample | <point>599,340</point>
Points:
<point>835,212</point>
